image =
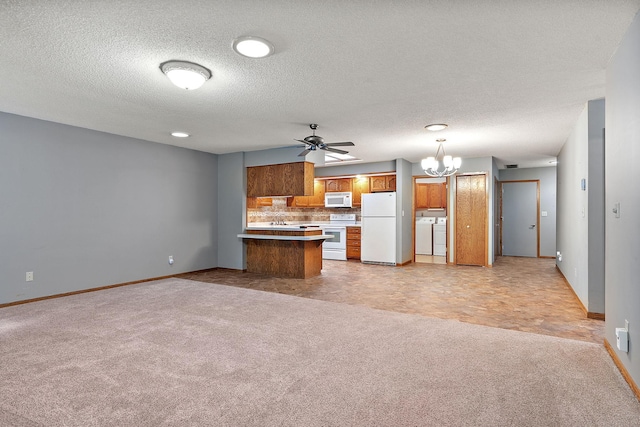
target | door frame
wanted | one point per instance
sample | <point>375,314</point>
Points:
<point>537,181</point>
<point>413,212</point>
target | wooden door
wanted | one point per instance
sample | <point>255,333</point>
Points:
<point>471,219</point>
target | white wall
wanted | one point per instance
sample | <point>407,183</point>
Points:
<point>84,209</point>
<point>622,157</point>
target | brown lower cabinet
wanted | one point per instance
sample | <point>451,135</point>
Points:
<point>353,242</point>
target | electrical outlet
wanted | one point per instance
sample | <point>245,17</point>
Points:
<point>626,325</point>
<point>29,276</point>
<point>170,259</point>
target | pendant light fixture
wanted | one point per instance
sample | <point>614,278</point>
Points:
<point>185,75</point>
<point>430,165</point>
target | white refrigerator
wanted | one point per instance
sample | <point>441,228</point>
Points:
<point>378,228</point>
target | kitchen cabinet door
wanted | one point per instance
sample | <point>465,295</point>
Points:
<point>285,179</point>
<point>317,200</point>
<point>298,202</point>
<point>382,183</point>
<point>437,196</point>
<point>258,202</point>
<point>422,193</point>
<point>360,187</point>
<point>338,185</point>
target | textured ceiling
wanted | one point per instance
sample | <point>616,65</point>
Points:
<point>509,77</point>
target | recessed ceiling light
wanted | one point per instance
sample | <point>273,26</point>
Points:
<point>180,134</point>
<point>252,47</point>
<point>436,126</point>
<point>185,75</point>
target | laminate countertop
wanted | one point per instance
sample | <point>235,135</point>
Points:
<point>277,237</point>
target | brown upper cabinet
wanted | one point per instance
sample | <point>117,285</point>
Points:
<point>382,183</point>
<point>258,202</point>
<point>360,187</point>
<point>338,185</point>
<point>431,196</point>
<point>286,179</point>
<point>315,201</point>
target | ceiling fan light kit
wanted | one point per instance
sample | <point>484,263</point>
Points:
<point>253,47</point>
<point>185,75</point>
<point>431,165</point>
<point>316,142</point>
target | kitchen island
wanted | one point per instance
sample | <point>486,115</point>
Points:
<point>284,251</point>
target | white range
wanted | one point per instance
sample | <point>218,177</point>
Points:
<point>336,247</point>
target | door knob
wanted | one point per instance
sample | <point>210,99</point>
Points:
<point>532,226</point>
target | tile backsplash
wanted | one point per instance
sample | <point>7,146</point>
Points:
<point>279,211</point>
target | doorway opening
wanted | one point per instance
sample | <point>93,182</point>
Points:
<point>430,220</point>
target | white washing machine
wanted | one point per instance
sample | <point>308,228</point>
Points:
<point>424,233</point>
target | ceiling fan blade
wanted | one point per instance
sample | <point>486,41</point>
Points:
<point>303,141</point>
<point>304,153</point>
<point>338,144</point>
<point>334,150</point>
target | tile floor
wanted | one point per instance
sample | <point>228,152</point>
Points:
<point>524,294</point>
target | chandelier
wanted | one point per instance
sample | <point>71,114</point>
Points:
<point>430,165</point>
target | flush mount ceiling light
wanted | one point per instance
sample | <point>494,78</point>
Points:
<point>430,165</point>
<point>436,126</point>
<point>185,75</point>
<point>180,134</point>
<point>252,47</point>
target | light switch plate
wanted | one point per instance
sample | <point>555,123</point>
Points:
<point>543,213</point>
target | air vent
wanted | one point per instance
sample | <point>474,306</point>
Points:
<point>511,166</point>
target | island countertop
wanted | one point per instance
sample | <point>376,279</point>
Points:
<point>284,251</point>
<point>285,237</point>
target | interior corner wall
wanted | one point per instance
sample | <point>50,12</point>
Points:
<point>404,224</point>
<point>622,156</point>
<point>232,210</point>
<point>572,227</point>
<point>83,209</point>
<point>595,205</point>
<point>547,178</point>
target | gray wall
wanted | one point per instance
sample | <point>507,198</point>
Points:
<point>404,214</point>
<point>595,205</point>
<point>580,217</point>
<point>232,210</point>
<point>83,209</point>
<point>547,177</point>
<point>622,156</point>
<point>356,168</point>
<point>572,227</point>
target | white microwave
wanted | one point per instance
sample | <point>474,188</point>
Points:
<point>337,200</point>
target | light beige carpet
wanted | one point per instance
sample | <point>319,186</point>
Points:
<point>183,353</point>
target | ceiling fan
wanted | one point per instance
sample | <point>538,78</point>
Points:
<point>315,142</point>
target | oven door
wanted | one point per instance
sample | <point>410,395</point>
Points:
<point>335,247</point>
